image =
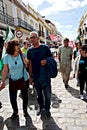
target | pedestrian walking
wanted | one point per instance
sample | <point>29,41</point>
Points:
<point>1,65</point>
<point>1,60</point>
<point>65,61</point>
<point>37,56</point>
<point>76,51</point>
<point>76,68</point>
<point>76,56</point>
<point>25,47</point>
<point>18,76</point>
<point>83,72</point>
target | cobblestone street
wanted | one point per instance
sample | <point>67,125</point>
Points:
<point>67,110</point>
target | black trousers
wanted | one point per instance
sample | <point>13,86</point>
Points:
<point>13,97</point>
<point>83,81</point>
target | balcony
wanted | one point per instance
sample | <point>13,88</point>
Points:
<point>6,19</point>
<point>18,22</point>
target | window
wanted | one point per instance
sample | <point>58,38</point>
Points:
<point>25,17</point>
<point>0,5</point>
<point>31,22</point>
<point>18,13</point>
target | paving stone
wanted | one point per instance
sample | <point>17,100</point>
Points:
<point>67,110</point>
<point>74,128</point>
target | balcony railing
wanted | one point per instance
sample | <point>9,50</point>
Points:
<point>21,23</point>
<point>5,18</point>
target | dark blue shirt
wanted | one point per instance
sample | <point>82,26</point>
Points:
<point>36,55</point>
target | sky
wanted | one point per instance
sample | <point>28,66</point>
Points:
<point>65,14</point>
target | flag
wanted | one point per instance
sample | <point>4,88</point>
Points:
<point>9,36</point>
<point>78,39</point>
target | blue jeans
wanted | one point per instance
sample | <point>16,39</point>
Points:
<point>43,94</point>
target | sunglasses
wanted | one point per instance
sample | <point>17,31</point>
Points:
<point>17,44</point>
<point>32,37</point>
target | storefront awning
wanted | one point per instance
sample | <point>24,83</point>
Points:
<point>53,38</point>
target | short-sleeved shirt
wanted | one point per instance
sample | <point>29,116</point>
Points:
<point>36,55</point>
<point>24,51</point>
<point>83,65</point>
<point>65,53</point>
<point>16,71</point>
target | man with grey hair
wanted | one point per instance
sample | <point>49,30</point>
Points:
<point>37,56</point>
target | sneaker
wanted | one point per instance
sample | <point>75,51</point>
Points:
<point>48,114</point>
<point>14,115</point>
<point>81,97</point>
<point>40,111</point>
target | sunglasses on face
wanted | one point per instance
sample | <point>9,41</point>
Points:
<point>17,44</point>
<point>33,37</point>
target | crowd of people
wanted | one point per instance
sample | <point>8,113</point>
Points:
<point>30,65</point>
<point>80,69</point>
<point>27,66</point>
<point>79,55</point>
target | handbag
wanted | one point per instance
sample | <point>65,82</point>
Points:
<point>17,84</point>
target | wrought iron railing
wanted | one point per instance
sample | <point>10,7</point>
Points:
<point>5,18</point>
<point>21,23</point>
